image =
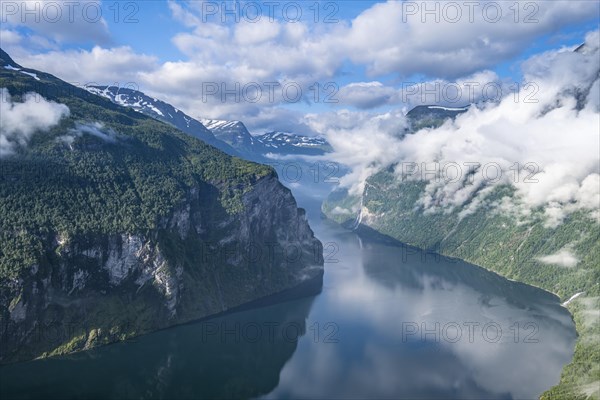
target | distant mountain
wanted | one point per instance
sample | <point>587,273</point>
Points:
<point>234,133</point>
<point>232,137</point>
<point>431,116</point>
<point>291,143</point>
<point>160,110</point>
<point>237,135</point>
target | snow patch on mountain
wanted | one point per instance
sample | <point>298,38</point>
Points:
<point>158,109</point>
<point>448,108</point>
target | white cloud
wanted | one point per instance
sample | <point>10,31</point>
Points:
<point>450,48</point>
<point>363,141</point>
<point>96,129</point>
<point>20,45</point>
<point>479,87</point>
<point>181,15</point>
<point>252,33</point>
<point>563,258</point>
<point>337,210</point>
<point>10,37</point>
<point>237,53</point>
<point>61,21</point>
<point>366,95</point>
<point>20,120</point>
<point>116,66</point>
<point>557,133</point>
<point>412,43</point>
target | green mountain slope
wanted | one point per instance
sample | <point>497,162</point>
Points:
<point>114,224</point>
<point>499,242</point>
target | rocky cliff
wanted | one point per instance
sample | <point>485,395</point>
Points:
<point>114,224</point>
<point>94,289</point>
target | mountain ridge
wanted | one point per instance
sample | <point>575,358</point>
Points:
<point>160,110</point>
<point>230,136</point>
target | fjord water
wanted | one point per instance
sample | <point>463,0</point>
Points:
<point>390,322</point>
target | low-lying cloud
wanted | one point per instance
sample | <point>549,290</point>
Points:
<point>563,258</point>
<point>20,120</point>
<point>545,146</point>
<point>96,129</point>
<point>363,141</point>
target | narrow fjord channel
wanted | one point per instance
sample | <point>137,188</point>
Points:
<point>389,322</point>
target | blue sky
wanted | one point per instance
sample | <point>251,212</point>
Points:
<point>156,27</point>
<point>369,50</point>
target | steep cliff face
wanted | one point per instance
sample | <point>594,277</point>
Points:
<point>114,224</point>
<point>95,289</point>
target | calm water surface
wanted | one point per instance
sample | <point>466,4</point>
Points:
<point>390,322</point>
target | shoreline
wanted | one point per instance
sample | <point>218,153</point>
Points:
<point>579,329</point>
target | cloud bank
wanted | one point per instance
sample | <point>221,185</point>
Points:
<point>553,136</point>
<point>482,86</point>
